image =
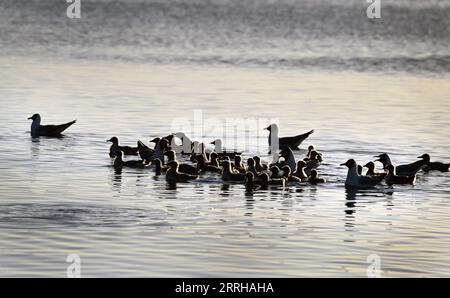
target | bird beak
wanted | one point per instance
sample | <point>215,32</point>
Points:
<point>213,142</point>
<point>377,156</point>
<point>108,140</point>
<point>29,118</point>
<point>343,164</point>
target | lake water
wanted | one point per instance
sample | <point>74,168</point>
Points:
<point>130,68</point>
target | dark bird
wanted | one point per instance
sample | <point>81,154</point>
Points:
<point>371,170</point>
<point>258,165</point>
<point>229,175</point>
<point>159,168</point>
<point>38,130</point>
<point>392,178</point>
<point>287,174</point>
<point>354,180</point>
<point>238,165</point>
<point>434,166</point>
<point>266,180</point>
<point>173,175</point>
<point>249,182</point>
<point>402,170</point>
<point>315,179</point>
<point>119,162</point>
<point>300,172</point>
<point>222,152</point>
<point>214,159</point>
<point>203,166</point>
<point>291,142</point>
<point>115,147</point>
<point>289,158</point>
<point>275,172</point>
<point>313,154</point>
<point>251,166</point>
<point>145,152</point>
<point>182,167</point>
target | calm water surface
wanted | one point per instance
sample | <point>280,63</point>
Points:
<point>364,87</point>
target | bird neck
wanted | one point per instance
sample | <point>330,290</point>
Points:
<point>352,173</point>
<point>35,125</point>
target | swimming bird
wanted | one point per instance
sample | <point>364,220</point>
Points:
<point>115,147</point>
<point>434,166</point>
<point>291,142</point>
<point>214,159</point>
<point>315,179</point>
<point>266,180</point>
<point>161,146</point>
<point>144,151</point>
<point>159,168</point>
<point>238,165</point>
<point>222,152</point>
<point>313,154</point>
<point>300,172</point>
<point>249,181</point>
<point>392,178</point>
<point>356,181</point>
<point>38,130</point>
<point>289,158</point>
<point>173,175</point>
<point>229,175</point>
<point>182,167</point>
<point>258,165</point>
<point>275,172</point>
<point>402,170</point>
<point>287,174</point>
<point>203,166</point>
<point>371,170</point>
<point>251,166</point>
<point>119,162</point>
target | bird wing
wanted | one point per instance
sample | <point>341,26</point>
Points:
<point>409,169</point>
<point>295,141</point>
<point>54,130</point>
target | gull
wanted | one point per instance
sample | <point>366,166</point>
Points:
<point>402,170</point>
<point>291,142</point>
<point>355,180</point>
<point>289,158</point>
<point>38,130</point>
<point>434,166</point>
<point>115,147</point>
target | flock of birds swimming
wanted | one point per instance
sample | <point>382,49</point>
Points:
<point>254,174</point>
